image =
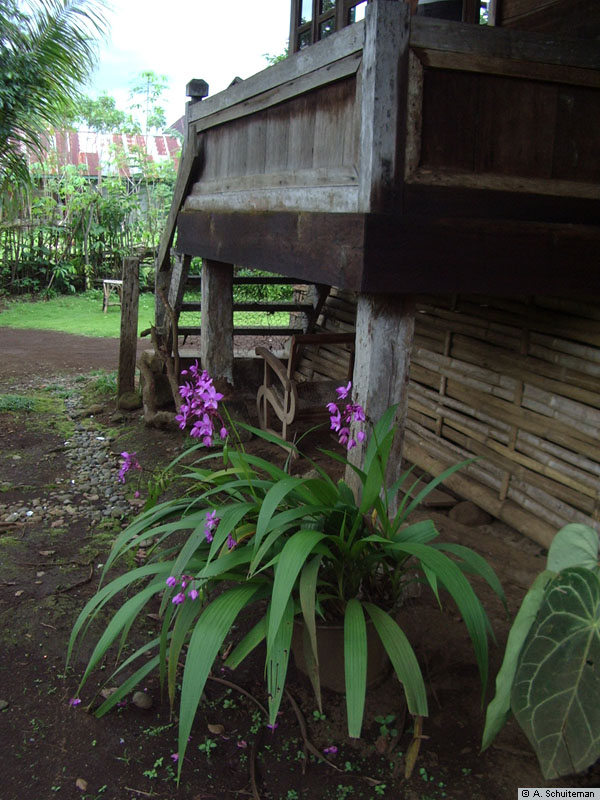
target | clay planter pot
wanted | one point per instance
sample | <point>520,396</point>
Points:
<point>330,647</point>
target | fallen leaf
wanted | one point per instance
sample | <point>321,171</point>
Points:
<point>46,552</point>
<point>216,729</point>
<point>381,744</point>
<point>81,784</point>
<point>19,593</point>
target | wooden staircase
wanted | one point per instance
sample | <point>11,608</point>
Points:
<point>305,311</point>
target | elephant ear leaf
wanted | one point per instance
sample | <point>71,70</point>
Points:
<point>557,682</point>
<point>575,545</point>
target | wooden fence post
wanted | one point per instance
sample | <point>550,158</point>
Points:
<point>129,324</point>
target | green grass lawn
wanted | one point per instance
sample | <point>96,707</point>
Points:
<point>82,314</point>
<point>75,313</point>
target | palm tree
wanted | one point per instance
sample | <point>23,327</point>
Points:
<point>48,49</point>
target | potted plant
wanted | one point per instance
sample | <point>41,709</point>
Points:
<point>246,533</point>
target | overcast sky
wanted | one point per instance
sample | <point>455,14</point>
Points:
<point>216,40</point>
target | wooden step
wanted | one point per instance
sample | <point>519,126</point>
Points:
<point>196,280</point>
<point>256,306</point>
<point>264,330</point>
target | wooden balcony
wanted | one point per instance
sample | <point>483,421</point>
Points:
<point>404,154</point>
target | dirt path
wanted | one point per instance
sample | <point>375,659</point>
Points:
<point>31,352</point>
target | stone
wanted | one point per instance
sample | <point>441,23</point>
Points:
<point>4,704</point>
<point>129,401</point>
<point>467,513</point>
<point>93,410</point>
<point>142,700</point>
<point>117,417</point>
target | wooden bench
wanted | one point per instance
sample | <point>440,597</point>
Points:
<point>109,286</point>
<point>298,389</point>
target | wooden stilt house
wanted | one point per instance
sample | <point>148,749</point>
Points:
<point>446,174</point>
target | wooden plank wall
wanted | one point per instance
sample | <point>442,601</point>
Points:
<point>301,154</point>
<point>571,17</point>
<point>509,126</point>
<point>514,382</point>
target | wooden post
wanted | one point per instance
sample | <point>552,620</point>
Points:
<point>384,340</point>
<point>162,281</point>
<point>216,344</point>
<point>384,323</point>
<point>179,275</point>
<point>129,324</point>
<point>384,85</point>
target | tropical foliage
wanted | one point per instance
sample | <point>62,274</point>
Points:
<point>73,229</point>
<point>244,534</point>
<point>550,676</point>
<point>47,51</point>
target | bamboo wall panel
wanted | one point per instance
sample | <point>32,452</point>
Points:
<point>514,382</point>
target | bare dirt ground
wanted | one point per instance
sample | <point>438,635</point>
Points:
<point>49,570</point>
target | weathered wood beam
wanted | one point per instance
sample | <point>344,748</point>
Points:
<point>216,345</point>
<point>500,257</point>
<point>385,323</point>
<point>503,43</point>
<point>187,174</point>
<point>162,279</point>
<point>384,252</point>
<point>317,247</point>
<point>384,71</point>
<point>321,54</point>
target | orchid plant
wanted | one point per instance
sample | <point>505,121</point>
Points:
<point>244,533</point>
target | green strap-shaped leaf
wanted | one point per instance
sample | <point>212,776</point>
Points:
<point>476,563</point>
<point>102,596</point>
<point>423,531</point>
<point>292,559</point>
<point>403,659</point>
<point>278,656</point>
<point>124,616</point>
<point>426,490</point>
<point>499,708</point>
<point>251,640</point>
<point>308,595</point>
<point>187,615</point>
<point>207,638</point>
<point>271,503</point>
<point>355,665</point>
<point>557,683</point>
<point>463,595</point>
